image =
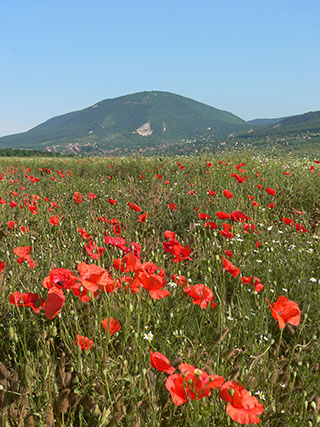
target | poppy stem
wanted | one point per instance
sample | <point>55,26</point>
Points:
<point>279,344</point>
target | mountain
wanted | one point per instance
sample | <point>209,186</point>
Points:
<point>137,120</point>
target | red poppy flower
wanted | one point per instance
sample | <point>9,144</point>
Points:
<point>33,209</point>
<point>239,216</point>
<point>203,216</point>
<point>22,251</point>
<point>252,280</point>
<point>169,234</point>
<point>168,246</point>
<point>301,228</point>
<point>211,225</point>
<point>247,228</point>
<point>2,266</point>
<point>202,295</point>
<point>242,407</point>
<point>111,325</point>
<point>142,217</point>
<point>211,193</point>
<point>83,233</point>
<point>270,191</point>
<point>78,197</point>
<point>288,221</point>
<point>94,277</point>
<point>154,284</point>
<point>83,342</point>
<point>222,215</point>
<point>94,250</point>
<point>92,196</point>
<point>11,224</point>
<point>132,261</point>
<point>28,300</point>
<point>172,206</point>
<point>192,384</point>
<point>227,194</point>
<point>161,362</point>
<point>226,231</point>
<point>54,220</point>
<point>117,242</point>
<point>134,207</point>
<point>285,311</point>
<point>24,255</point>
<point>228,253</point>
<point>54,303</point>
<point>179,280</point>
<point>181,253</point>
<point>61,278</point>
<point>230,268</point>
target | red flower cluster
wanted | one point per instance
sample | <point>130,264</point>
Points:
<point>23,253</point>
<point>28,300</point>
<point>146,275</point>
<point>175,248</point>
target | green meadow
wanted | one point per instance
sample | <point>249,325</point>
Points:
<point>71,213</point>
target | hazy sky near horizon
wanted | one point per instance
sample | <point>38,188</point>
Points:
<point>252,58</point>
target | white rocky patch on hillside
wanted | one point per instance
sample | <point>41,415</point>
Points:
<point>145,130</point>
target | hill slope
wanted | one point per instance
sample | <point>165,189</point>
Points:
<point>266,121</point>
<point>140,119</point>
<point>301,123</point>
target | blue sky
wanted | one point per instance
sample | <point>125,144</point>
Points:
<point>254,58</point>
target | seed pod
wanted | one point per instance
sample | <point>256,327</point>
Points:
<point>14,381</point>
<point>221,336</point>
<point>67,379</point>
<point>4,372</point>
<point>64,401</point>
<point>232,353</point>
<point>275,376</point>
<point>30,421</point>
<point>49,416</point>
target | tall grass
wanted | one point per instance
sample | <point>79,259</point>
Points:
<point>45,379</point>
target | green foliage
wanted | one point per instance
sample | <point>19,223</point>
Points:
<point>19,152</point>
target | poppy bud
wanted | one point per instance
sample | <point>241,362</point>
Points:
<point>11,332</point>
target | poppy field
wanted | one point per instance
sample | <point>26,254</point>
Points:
<point>181,291</point>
